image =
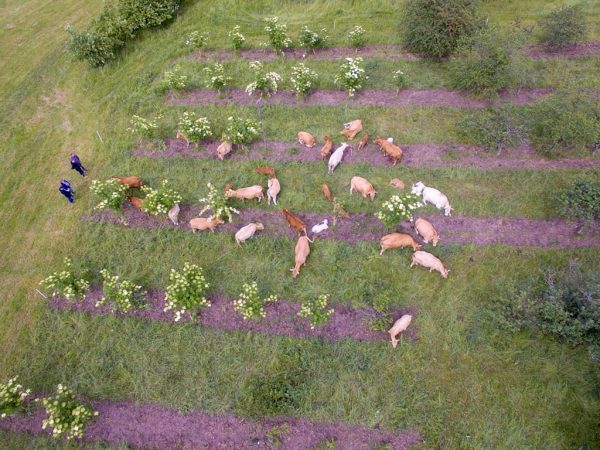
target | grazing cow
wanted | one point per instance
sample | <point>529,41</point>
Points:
<point>302,250</point>
<point>351,129</point>
<point>224,149</point>
<point>269,171</point>
<point>320,227</point>
<point>397,240</point>
<point>363,141</point>
<point>398,184</point>
<point>183,137</point>
<point>174,214</point>
<point>132,182</point>
<point>389,149</point>
<point>327,193</point>
<point>273,190</point>
<point>362,186</point>
<point>202,223</point>
<point>433,196</point>
<point>421,258</point>
<point>136,201</point>
<point>294,222</point>
<point>327,147</point>
<point>336,157</point>
<point>306,139</point>
<point>399,326</point>
<point>247,232</point>
<point>247,193</point>
<point>426,230</point>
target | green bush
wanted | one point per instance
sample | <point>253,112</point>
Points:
<point>496,128</point>
<point>120,21</point>
<point>433,27</point>
<point>563,26</point>
<point>581,202</point>
<point>485,61</point>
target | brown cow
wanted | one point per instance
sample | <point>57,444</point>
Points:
<point>327,193</point>
<point>136,201</point>
<point>397,240</point>
<point>294,222</point>
<point>362,186</point>
<point>351,129</point>
<point>327,147</point>
<point>302,251</point>
<point>247,193</point>
<point>363,141</point>
<point>266,170</point>
<point>426,230</point>
<point>201,223</point>
<point>306,139</point>
<point>182,137</point>
<point>389,149</point>
<point>398,184</point>
<point>132,182</point>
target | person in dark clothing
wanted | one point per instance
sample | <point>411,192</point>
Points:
<point>76,164</point>
<point>66,190</point>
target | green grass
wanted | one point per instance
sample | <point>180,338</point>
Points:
<point>462,378</point>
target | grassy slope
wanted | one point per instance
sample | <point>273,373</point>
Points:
<point>461,379</point>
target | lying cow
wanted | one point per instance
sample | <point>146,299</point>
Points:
<point>306,139</point>
<point>132,182</point>
<point>351,129</point>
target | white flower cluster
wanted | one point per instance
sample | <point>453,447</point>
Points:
<point>12,396</point>
<point>351,75</point>
<point>249,304</point>
<point>121,294</point>
<point>66,416</point>
<point>241,131</point>
<point>196,40</point>
<point>237,38</point>
<point>277,34</point>
<point>196,130</point>
<point>356,36</point>
<point>111,193</point>
<point>399,79</point>
<point>303,79</point>
<point>217,201</point>
<point>216,77</point>
<point>316,311</point>
<point>264,83</point>
<point>311,39</point>
<point>159,201</point>
<point>174,79</point>
<point>398,208</point>
<point>185,291</point>
<point>142,126</point>
<point>65,284</point>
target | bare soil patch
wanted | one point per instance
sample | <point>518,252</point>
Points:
<point>152,426</point>
<point>511,231</point>
<point>281,319</point>
<point>420,155</point>
<point>578,49</point>
<point>377,97</point>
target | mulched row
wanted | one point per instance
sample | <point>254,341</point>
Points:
<point>152,426</point>
<point>420,155</point>
<point>360,227</point>
<point>585,48</point>
<point>281,319</point>
<point>373,97</point>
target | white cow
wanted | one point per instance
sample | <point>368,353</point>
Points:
<point>433,196</point>
<point>336,157</point>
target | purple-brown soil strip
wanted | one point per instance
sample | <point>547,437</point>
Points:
<point>152,426</point>
<point>422,155</point>
<point>376,97</point>
<point>281,319</point>
<point>584,48</point>
<point>510,231</point>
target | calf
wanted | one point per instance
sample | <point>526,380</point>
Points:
<point>363,141</point>
<point>327,147</point>
<point>294,222</point>
<point>269,171</point>
<point>247,193</point>
<point>397,240</point>
<point>399,326</point>
<point>426,230</point>
<point>327,193</point>
<point>433,196</point>
<point>202,223</point>
<point>320,227</point>
<point>302,250</point>
<point>336,158</point>
<point>306,139</point>
<point>273,190</point>
<point>174,214</point>
<point>362,186</point>
<point>391,150</point>
<point>136,201</point>
<point>421,258</point>
<point>132,182</point>
<point>398,184</point>
<point>351,129</point>
<point>247,232</point>
<point>183,137</point>
<point>224,149</point>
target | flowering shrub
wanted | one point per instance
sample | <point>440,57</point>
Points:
<point>174,79</point>
<point>196,130</point>
<point>66,416</point>
<point>237,38</point>
<point>65,283</point>
<point>123,295</point>
<point>399,208</point>
<point>356,36</point>
<point>186,290</point>
<point>144,127</point>
<point>161,200</point>
<point>310,39</point>
<point>351,75</point>
<point>249,304</point>
<point>264,83</point>
<point>12,396</point>
<point>316,311</point>
<point>399,80</point>
<point>277,33</point>
<point>196,40</point>
<point>241,131</point>
<point>111,193</point>
<point>303,79</point>
<point>217,202</point>
<point>216,77</point>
